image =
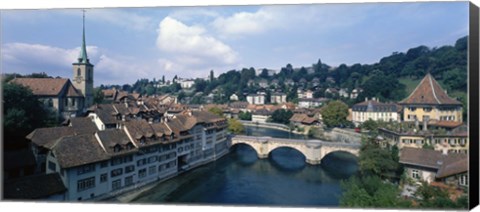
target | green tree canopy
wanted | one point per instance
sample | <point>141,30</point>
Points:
<point>235,126</point>
<point>216,111</point>
<point>22,113</point>
<point>281,116</point>
<point>335,114</point>
<point>98,96</point>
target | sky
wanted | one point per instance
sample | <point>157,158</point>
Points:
<point>126,44</point>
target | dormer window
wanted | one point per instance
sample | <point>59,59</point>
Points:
<point>142,141</point>
<point>129,146</point>
<point>117,148</point>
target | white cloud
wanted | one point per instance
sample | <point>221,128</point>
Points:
<point>27,58</point>
<point>244,23</point>
<point>288,17</point>
<point>191,48</point>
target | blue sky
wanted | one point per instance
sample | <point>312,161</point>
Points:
<point>126,44</point>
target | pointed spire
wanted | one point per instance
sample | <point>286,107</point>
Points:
<point>83,58</point>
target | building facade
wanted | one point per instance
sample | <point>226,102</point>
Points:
<point>429,101</point>
<point>256,99</point>
<point>119,160</point>
<point>376,111</point>
<point>433,166</point>
<point>278,98</point>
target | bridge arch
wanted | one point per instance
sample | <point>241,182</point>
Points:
<point>276,147</point>
<point>313,150</point>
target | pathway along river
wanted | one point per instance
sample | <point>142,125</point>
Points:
<point>239,178</point>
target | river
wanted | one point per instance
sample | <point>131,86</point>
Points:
<point>240,178</point>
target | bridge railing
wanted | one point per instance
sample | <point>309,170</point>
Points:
<point>297,141</point>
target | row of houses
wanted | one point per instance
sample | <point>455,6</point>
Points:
<point>92,162</point>
<point>428,129</point>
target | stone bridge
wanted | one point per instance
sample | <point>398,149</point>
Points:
<point>313,150</point>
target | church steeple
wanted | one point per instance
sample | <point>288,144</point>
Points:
<point>83,72</point>
<point>83,58</point>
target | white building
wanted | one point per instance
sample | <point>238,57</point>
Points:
<point>256,99</point>
<point>343,93</point>
<point>261,116</point>
<point>234,97</point>
<point>118,160</point>
<point>310,102</point>
<point>278,98</point>
<point>376,111</point>
<point>186,83</point>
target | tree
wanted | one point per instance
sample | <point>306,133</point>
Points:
<point>434,197</point>
<point>235,126</point>
<point>378,161</point>
<point>281,116</point>
<point>370,125</point>
<point>98,96</point>
<point>22,114</point>
<point>216,111</point>
<point>370,191</point>
<point>245,116</point>
<point>264,73</point>
<point>335,114</point>
<point>212,77</point>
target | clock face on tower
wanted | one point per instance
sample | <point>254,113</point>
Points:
<point>79,79</point>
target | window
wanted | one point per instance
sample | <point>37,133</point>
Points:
<point>129,169</point>
<point>52,166</point>
<point>117,184</point>
<point>86,169</point>
<point>415,174</point>
<point>104,164</point>
<point>79,72</point>
<point>103,177</point>
<point>463,180</point>
<point>142,173</point>
<point>152,170</point>
<point>73,102</point>
<point>152,159</point>
<point>50,102</point>
<point>85,184</point>
<point>128,180</point>
<point>116,172</point>
<point>142,162</point>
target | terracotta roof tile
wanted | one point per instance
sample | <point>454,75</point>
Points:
<point>72,151</point>
<point>428,91</point>
<point>43,86</point>
<point>83,125</point>
<point>445,165</point>
<point>47,136</point>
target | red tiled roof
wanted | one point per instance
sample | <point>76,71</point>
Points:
<point>444,123</point>
<point>45,86</point>
<point>428,91</point>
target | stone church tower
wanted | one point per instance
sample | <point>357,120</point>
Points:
<point>83,73</point>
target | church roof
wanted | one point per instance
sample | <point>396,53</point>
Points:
<point>428,91</point>
<point>47,86</point>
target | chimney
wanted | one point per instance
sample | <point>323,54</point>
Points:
<point>366,98</point>
<point>123,117</point>
<point>150,120</point>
